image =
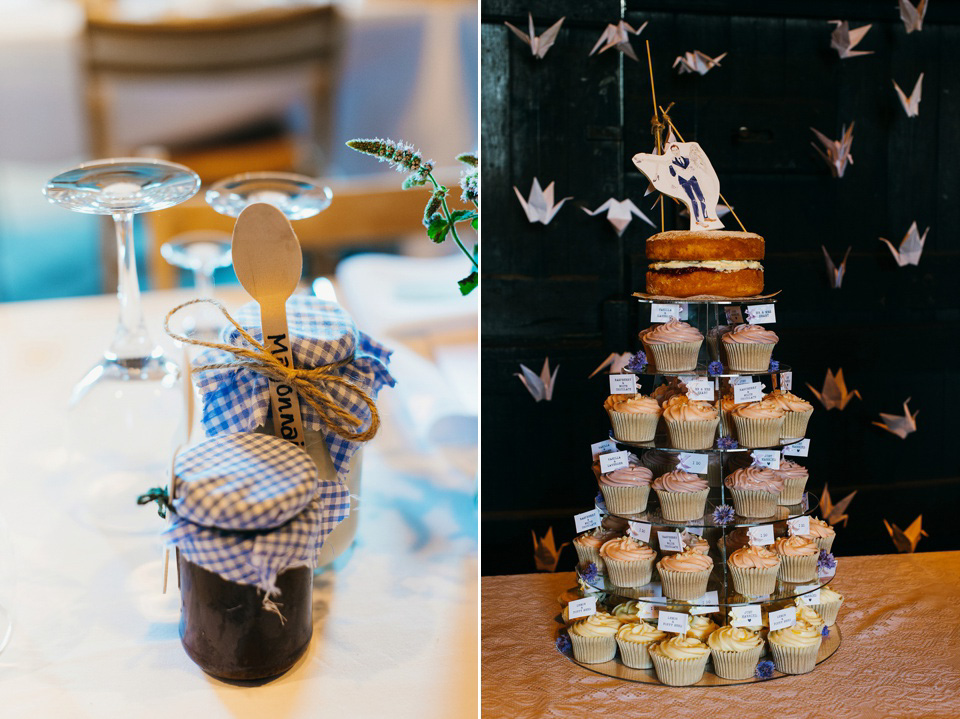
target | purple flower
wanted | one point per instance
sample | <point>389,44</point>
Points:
<point>774,366</point>
<point>715,368</point>
<point>637,363</point>
<point>825,632</point>
<point>826,561</point>
<point>727,443</point>
<point>764,669</point>
<point>590,573</point>
<point>563,642</point>
<point>723,515</point>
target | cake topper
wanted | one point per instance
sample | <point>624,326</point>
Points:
<point>911,105</point>
<point>900,425</point>
<point>912,16</point>
<point>538,45</point>
<point>619,214</point>
<point>684,172</point>
<point>618,36</point>
<point>906,540</point>
<point>540,207</point>
<point>835,392</point>
<point>546,555</point>
<point>843,39</point>
<point>697,62</point>
<point>833,514</point>
<point>911,246</point>
<point>835,274</point>
<point>540,388</point>
<point>836,153</point>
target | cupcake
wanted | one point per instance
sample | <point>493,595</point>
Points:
<point>754,571</point>
<point>625,490</point>
<point>735,652</point>
<point>634,640</point>
<point>685,575</point>
<point>679,661</point>
<point>795,649</point>
<point>808,614</point>
<point>660,462</point>
<point>758,424</point>
<point>821,533</point>
<point>594,638</point>
<point>714,344</point>
<point>755,491</point>
<point>798,558</point>
<point>629,561</point>
<point>797,413</point>
<point>634,417</point>
<point>674,346</point>
<point>726,405</point>
<point>632,461</point>
<point>682,496</point>
<point>734,540</point>
<point>588,546</point>
<point>627,612</point>
<point>669,390</point>
<point>829,605</point>
<point>749,348</point>
<point>698,545</point>
<point>691,424</point>
<point>701,626</point>
<point>794,478</point>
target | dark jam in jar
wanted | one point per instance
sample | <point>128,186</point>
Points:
<point>225,629</point>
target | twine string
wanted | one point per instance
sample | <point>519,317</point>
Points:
<point>312,385</point>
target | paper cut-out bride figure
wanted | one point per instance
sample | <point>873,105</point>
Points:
<point>684,172</point>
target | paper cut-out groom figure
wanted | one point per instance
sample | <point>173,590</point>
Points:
<point>685,173</point>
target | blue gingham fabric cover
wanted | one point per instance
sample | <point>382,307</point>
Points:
<point>321,332</point>
<point>249,506</point>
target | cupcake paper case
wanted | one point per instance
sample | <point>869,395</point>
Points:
<point>749,347</point>
<point>635,640</point>
<point>797,413</point>
<point>758,424</point>
<point>691,424</point>
<point>680,661</point>
<point>685,576</point>
<point>735,652</point>
<point>634,418</point>
<point>753,571</point>
<point>682,496</point>
<point>674,346</point>
<point>594,638</point>
<point>629,562</point>
<point>794,478</point>
<point>625,490</point>
<point>795,649</point>
<point>798,559</point>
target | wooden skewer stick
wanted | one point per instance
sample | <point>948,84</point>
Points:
<point>657,126</point>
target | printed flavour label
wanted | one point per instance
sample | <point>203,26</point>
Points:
<point>587,520</point>
<point>761,314</point>
<point>675,622</point>
<point>746,616</point>
<point>798,449</point>
<point>670,541</point>
<point>782,619</point>
<point>579,608</point>
<point>798,525</point>
<point>623,384</point>
<point>614,460</point>
<point>639,530</point>
<point>761,536</point>
<point>664,313</point>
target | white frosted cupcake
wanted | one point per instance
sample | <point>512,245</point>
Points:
<point>796,410</point>
<point>795,649</point>
<point>754,571</point>
<point>749,348</point>
<point>829,605</point>
<point>755,491</point>
<point>701,626</point>
<point>735,652</point>
<point>679,661</point>
<point>682,496</point>
<point>634,417</point>
<point>685,576</point>
<point>809,614</point>
<point>794,478</point>
<point>625,491</point>
<point>758,424</point>
<point>627,612</point>
<point>594,638</point>
<point>798,558</point>
<point>634,640</point>
<point>691,424</point>
<point>674,346</point>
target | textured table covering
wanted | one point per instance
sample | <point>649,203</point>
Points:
<point>900,655</point>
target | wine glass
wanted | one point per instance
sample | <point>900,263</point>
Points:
<point>202,252</point>
<point>296,196</point>
<point>127,411</point>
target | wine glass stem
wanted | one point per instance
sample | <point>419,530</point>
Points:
<point>131,340</point>
<point>203,283</point>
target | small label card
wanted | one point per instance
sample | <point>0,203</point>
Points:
<point>692,462</point>
<point>734,314</point>
<point>579,608</point>
<point>741,379</point>
<point>782,618</point>
<point>798,525</point>
<point>761,314</point>
<point>587,520</point>
<point>752,392</point>
<point>604,447</point>
<point>700,389</point>
<point>670,541</point>
<point>761,536</point>
<point>639,530</point>
<point>676,622</point>
<point>614,460</point>
<point>747,615</point>
<point>769,458</point>
<point>706,604</point>
<point>623,384</point>
<point>812,595</point>
<point>663,313</point>
<point>798,449</point>
<point>645,610</point>
<point>786,381</point>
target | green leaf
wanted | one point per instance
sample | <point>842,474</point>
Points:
<point>474,223</point>
<point>438,228</point>
<point>463,215</point>
<point>468,158</point>
<point>469,283</point>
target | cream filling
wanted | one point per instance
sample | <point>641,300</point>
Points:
<point>718,265</point>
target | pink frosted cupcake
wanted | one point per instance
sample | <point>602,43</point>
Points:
<point>685,575</point>
<point>629,561</point>
<point>691,424</point>
<point>755,491</point>
<point>625,491</point>
<point>749,348</point>
<point>726,405</point>
<point>682,495</point>
<point>794,478</point>
<point>660,462</point>
<point>634,417</point>
<point>798,559</point>
<point>587,546</point>
<point>821,533</point>
<point>758,424</point>
<point>796,410</point>
<point>669,390</point>
<point>674,346</point>
<point>754,571</point>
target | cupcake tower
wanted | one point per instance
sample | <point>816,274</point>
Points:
<point>709,566</point>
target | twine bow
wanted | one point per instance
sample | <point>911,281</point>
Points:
<point>161,497</point>
<point>309,384</point>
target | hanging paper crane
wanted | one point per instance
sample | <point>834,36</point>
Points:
<point>905,540</point>
<point>899,425</point>
<point>835,394</point>
<point>833,514</point>
<point>540,387</point>
<point>546,556</point>
<point>538,45</point>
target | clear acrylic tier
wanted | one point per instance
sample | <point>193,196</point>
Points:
<point>807,506</point>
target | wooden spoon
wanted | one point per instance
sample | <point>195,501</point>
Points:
<point>268,263</point>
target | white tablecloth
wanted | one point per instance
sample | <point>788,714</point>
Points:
<point>395,629</point>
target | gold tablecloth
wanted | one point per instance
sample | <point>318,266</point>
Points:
<point>900,655</point>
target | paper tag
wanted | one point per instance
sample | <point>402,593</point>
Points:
<point>701,389</point>
<point>604,447</point>
<point>812,595</point>
<point>646,610</point>
<point>670,541</point>
<point>639,530</point>
<point>587,520</point>
<point>676,622</point>
<point>798,449</point>
<point>761,536</point>
<point>692,462</point>
<point>707,604</point>
<point>761,314</point>
<point>747,615</point>
<point>582,608</point>
<point>663,313</point>
<point>782,618</point>
<point>769,458</point>
<point>741,379</point>
<point>614,460</point>
<point>786,381</point>
<point>798,525</point>
<point>752,392</point>
<point>690,534</point>
<point>623,384</point>
<point>734,314</point>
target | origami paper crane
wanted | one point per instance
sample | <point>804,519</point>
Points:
<point>900,425</point>
<point>911,105</point>
<point>540,388</point>
<point>911,246</point>
<point>913,16</point>
<point>906,540</point>
<point>546,556</point>
<point>618,36</point>
<point>615,362</point>
<point>538,45</point>
<point>835,392</point>
<point>833,514</point>
<point>697,62</point>
<point>836,153</point>
<point>619,214</point>
<point>539,207</point>
<point>843,39</point>
<point>835,274</point>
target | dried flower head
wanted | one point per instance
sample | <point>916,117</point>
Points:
<point>723,515</point>
<point>826,561</point>
<point>715,368</point>
<point>764,669</point>
<point>563,642</point>
<point>637,363</point>
<point>590,573</point>
<point>825,632</point>
<point>727,443</point>
<point>774,366</point>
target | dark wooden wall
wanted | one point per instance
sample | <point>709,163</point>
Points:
<point>562,290</point>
